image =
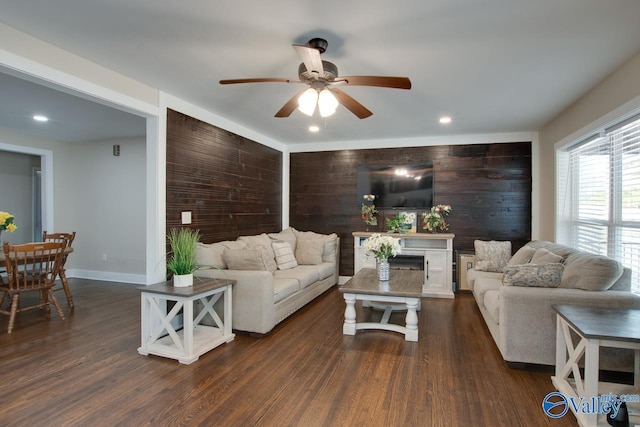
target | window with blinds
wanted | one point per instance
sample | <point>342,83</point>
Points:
<point>599,195</point>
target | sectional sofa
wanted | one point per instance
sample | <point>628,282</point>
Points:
<point>515,295</point>
<point>276,274</point>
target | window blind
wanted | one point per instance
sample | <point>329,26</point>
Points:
<point>602,195</point>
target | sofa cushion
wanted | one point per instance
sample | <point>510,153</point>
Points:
<point>544,256</point>
<point>326,269</point>
<point>210,255</point>
<point>329,253</point>
<point>492,304</point>
<point>556,248</point>
<point>309,251</point>
<point>590,272</point>
<point>284,255</point>
<point>483,285</point>
<point>522,256</point>
<point>534,275</point>
<point>264,241</point>
<point>285,235</point>
<point>249,258</point>
<point>473,275</point>
<point>305,274</point>
<point>492,256</point>
<point>328,240</point>
<point>284,287</point>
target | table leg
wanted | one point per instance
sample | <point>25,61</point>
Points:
<point>349,326</point>
<point>591,364</point>
<point>412,320</point>
<point>187,330</point>
<point>144,321</point>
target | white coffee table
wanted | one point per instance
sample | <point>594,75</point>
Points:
<point>403,287</point>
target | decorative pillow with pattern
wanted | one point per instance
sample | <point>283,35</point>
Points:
<point>284,255</point>
<point>534,275</point>
<point>492,256</point>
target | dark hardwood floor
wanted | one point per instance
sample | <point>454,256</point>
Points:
<point>85,371</point>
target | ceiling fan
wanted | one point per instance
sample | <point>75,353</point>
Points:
<point>323,80</point>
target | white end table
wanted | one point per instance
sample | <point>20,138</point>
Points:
<point>187,344</point>
<point>595,328</point>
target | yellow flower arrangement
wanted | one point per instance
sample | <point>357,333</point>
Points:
<point>6,222</point>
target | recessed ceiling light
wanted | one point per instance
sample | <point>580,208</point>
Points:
<point>445,120</point>
<point>314,128</point>
<point>40,118</point>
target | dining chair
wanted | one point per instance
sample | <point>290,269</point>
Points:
<point>66,238</point>
<point>31,267</point>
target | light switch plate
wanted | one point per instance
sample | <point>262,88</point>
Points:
<point>186,217</point>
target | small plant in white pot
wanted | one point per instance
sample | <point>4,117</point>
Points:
<point>182,258</point>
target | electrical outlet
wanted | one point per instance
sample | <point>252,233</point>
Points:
<point>104,257</point>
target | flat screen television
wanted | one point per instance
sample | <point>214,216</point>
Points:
<point>397,186</point>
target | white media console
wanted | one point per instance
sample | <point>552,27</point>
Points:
<point>437,250</point>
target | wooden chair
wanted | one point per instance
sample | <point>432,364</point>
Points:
<point>66,238</point>
<point>31,267</point>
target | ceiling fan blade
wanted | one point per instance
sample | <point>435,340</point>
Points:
<point>258,80</point>
<point>290,105</point>
<point>351,104</point>
<point>378,81</point>
<point>311,59</point>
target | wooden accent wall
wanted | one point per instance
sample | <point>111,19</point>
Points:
<point>231,185</point>
<point>487,185</point>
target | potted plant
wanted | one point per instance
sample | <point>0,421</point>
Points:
<point>398,224</point>
<point>434,220</point>
<point>182,261</point>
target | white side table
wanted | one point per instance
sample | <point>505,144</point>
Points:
<point>160,337</point>
<point>594,328</point>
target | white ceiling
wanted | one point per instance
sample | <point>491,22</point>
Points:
<point>493,65</point>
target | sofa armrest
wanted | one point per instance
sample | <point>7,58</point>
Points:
<point>252,298</point>
<point>528,322</point>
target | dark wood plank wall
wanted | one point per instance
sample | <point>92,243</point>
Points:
<point>487,185</point>
<point>232,185</point>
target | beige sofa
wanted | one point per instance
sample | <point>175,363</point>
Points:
<point>276,274</point>
<point>516,303</point>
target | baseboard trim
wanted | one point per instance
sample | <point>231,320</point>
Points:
<point>106,276</point>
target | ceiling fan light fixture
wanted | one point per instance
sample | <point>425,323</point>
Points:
<point>327,103</point>
<point>307,101</point>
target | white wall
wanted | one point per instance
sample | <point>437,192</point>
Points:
<point>102,198</point>
<point>616,96</point>
<point>16,176</point>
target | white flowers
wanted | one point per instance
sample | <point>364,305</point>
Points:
<point>382,247</point>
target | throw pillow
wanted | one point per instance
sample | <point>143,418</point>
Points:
<point>522,256</point>
<point>492,256</point>
<point>284,255</point>
<point>210,255</point>
<point>329,253</point>
<point>590,272</point>
<point>534,275</point>
<point>285,235</point>
<point>544,256</point>
<point>309,251</point>
<point>250,258</point>
<point>264,241</point>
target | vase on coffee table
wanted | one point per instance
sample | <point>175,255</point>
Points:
<point>382,266</point>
